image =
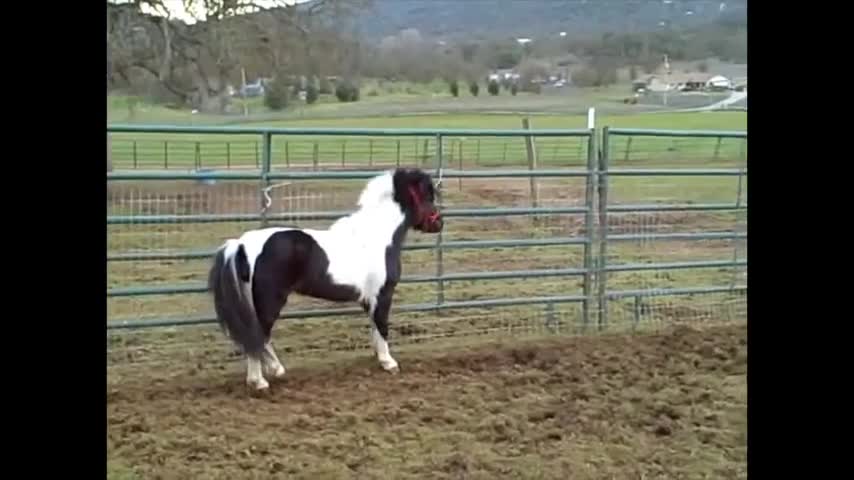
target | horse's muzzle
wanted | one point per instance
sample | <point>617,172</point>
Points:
<point>432,223</point>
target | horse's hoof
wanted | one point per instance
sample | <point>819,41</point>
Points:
<point>277,373</point>
<point>391,368</point>
<point>258,386</point>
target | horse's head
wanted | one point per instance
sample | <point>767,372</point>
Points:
<point>414,191</point>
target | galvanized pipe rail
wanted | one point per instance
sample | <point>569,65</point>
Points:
<point>267,174</point>
<point>605,171</point>
<point>594,269</point>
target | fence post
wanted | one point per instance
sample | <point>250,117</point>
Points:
<point>440,268</point>
<point>166,154</point>
<point>198,155</point>
<point>628,149</point>
<point>736,243</point>
<point>398,152</point>
<point>477,153</point>
<point>256,154</point>
<point>267,147</point>
<point>370,152</point>
<point>426,151</point>
<point>343,152</point>
<point>460,160</point>
<point>110,153</point>
<point>603,228</point>
<point>314,156</point>
<point>134,155</point>
<point>589,198</point>
<point>718,147</point>
<point>532,166</point>
<point>228,155</point>
<point>287,154</point>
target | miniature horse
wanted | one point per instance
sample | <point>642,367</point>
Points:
<point>356,259</point>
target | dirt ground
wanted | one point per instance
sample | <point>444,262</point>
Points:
<point>665,405</point>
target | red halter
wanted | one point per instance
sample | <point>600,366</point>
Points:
<point>432,217</point>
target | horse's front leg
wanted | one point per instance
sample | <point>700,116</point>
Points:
<point>379,333</point>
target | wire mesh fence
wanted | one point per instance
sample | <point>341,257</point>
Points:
<point>303,152</point>
<point>383,152</point>
<point>683,234</point>
<point>157,269</point>
<point>144,257</point>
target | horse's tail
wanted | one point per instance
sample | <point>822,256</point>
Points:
<point>230,282</point>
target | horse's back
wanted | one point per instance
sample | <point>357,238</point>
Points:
<point>253,242</point>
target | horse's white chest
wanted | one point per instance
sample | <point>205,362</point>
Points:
<point>354,261</point>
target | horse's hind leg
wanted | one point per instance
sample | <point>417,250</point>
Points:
<point>254,377</point>
<point>272,366</point>
<point>268,310</point>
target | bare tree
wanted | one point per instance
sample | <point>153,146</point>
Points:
<point>197,61</point>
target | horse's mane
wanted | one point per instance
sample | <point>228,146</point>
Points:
<point>377,195</point>
<point>379,190</point>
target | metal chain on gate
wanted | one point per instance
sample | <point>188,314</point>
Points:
<point>266,191</point>
<point>438,186</point>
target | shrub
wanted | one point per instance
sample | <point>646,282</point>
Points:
<point>493,88</point>
<point>276,94</point>
<point>311,94</point>
<point>347,92</point>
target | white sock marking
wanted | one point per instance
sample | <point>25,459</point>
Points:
<point>381,347</point>
<point>272,365</point>
<point>254,378</point>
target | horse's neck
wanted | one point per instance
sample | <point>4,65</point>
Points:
<point>383,222</point>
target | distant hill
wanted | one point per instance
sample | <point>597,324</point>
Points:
<point>535,18</point>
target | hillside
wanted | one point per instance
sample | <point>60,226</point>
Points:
<point>533,18</point>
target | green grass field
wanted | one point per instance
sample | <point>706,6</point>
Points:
<point>217,151</point>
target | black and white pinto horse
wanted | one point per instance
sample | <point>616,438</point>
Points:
<point>357,259</point>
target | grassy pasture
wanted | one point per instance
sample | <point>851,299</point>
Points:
<point>183,151</point>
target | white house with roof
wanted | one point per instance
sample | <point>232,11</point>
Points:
<point>719,82</point>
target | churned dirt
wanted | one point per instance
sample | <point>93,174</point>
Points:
<point>665,405</point>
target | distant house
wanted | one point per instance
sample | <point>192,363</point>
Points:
<point>503,75</point>
<point>684,82</point>
<point>652,83</point>
<point>255,89</point>
<point>719,82</point>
